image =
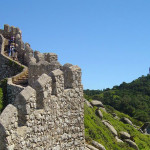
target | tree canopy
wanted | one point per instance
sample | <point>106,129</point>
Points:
<point>131,98</point>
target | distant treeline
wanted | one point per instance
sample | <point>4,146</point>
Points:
<point>131,98</point>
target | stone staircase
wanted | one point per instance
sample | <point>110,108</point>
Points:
<point>21,78</point>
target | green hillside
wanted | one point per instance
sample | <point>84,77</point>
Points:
<point>131,98</point>
<point>96,130</point>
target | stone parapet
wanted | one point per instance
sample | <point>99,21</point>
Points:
<point>12,91</point>
<point>57,124</point>
<point>47,114</point>
<point>8,126</point>
<point>37,69</point>
<point>9,31</point>
<point>72,76</point>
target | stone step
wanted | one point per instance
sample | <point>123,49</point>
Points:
<point>23,78</point>
<point>21,82</point>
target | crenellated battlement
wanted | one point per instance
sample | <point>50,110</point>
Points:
<point>45,113</point>
<point>37,69</point>
<point>49,112</point>
<point>9,31</point>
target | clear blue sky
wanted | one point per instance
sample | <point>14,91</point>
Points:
<point>108,39</point>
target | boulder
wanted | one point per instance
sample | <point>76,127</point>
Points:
<point>131,143</point>
<point>115,116</point>
<point>99,114</point>
<point>98,145</point>
<point>136,127</point>
<point>88,103</point>
<point>126,121</point>
<point>124,135</point>
<point>90,147</point>
<point>111,128</point>
<point>140,130</point>
<point>102,108</point>
<point>118,140</point>
<point>97,103</point>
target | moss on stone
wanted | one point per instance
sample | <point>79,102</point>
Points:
<point>14,65</point>
<point>3,94</point>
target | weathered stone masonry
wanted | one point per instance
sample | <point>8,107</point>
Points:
<point>48,114</point>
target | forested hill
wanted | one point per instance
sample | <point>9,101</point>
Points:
<point>131,98</point>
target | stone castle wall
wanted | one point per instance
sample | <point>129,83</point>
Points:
<point>8,31</point>
<point>8,68</point>
<point>12,91</point>
<point>48,114</point>
<point>42,63</point>
<point>46,117</point>
<point>24,53</point>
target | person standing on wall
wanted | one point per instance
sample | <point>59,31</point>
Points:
<point>15,53</point>
<point>13,50</point>
<point>13,39</point>
<point>9,48</point>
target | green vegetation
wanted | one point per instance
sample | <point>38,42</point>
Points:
<point>132,98</point>
<point>3,84</point>
<point>96,130</point>
<point>3,94</point>
<point>13,64</point>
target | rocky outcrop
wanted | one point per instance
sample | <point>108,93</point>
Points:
<point>97,103</point>
<point>90,147</point>
<point>115,116</point>
<point>111,128</point>
<point>118,140</point>
<point>103,109</point>
<point>98,145</point>
<point>121,137</point>
<point>99,113</point>
<point>131,143</point>
<point>126,121</point>
<point>124,135</point>
<point>88,103</point>
<point>127,138</point>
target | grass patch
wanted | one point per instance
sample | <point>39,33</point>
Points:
<point>3,94</point>
<point>121,115</point>
<point>96,130</point>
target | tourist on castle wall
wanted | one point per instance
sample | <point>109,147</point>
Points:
<point>15,54</point>
<point>13,39</point>
<point>9,48</point>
